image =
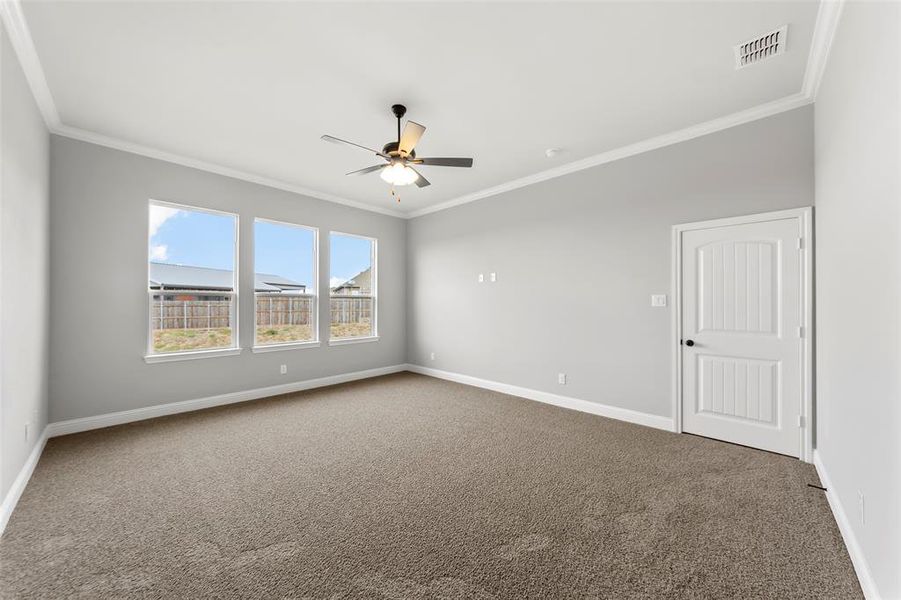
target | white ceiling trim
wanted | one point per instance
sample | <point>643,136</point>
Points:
<point>823,33</point>
<point>828,16</point>
<point>23,44</point>
<point>110,142</point>
<point>654,143</point>
<point>20,39</point>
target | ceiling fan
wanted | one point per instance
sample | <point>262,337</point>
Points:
<point>400,155</point>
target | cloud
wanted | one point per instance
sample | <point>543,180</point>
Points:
<point>160,252</point>
<point>336,281</point>
<point>159,215</point>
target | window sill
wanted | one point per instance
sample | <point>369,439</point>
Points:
<point>357,340</point>
<point>176,356</point>
<point>289,346</point>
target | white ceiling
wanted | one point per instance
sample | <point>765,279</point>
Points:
<point>252,86</point>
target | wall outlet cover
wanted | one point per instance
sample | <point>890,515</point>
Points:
<point>283,369</point>
<point>658,300</point>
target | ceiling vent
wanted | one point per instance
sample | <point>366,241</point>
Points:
<point>761,48</point>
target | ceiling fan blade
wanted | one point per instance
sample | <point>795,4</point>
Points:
<point>444,162</point>
<point>367,170</point>
<point>420,181</point>
<point>334,140</point>
<point>410,137</point>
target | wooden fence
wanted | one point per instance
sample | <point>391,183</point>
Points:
<point>271,310</point>
<point>190,314</point>
<point>350,309</point>
<point>277,309</point>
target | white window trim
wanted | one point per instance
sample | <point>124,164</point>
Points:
<point>314,325</point>
<point>192,355</point>
<point>353,340</point>
<point>235,348</point>
<point>285,346</point>
<point>373,265</point>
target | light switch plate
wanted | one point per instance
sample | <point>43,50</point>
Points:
<point>658,300</point>
<point>481,277</point>
<point>493,277</point>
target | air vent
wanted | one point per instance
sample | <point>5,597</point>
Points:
<point>761,48</point>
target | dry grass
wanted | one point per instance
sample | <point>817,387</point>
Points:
<point>283,334</point>
<point>183,340</point>
<point>351,330</point>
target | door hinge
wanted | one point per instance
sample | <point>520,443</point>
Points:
<point>801,421</point>
<point>800,243</point>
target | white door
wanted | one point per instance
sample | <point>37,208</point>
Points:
<point>741,333</point>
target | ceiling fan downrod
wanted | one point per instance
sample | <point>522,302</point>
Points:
<point>399,111</point>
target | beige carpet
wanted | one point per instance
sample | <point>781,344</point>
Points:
<point>410,487</point>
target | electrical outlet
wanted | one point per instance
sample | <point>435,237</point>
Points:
<point>432,357</point>
<point>481,277</point>
<point>658,300</point>
<point>493,277</point>
<point>561,378</point>
<point>861,507</point>
<point>283,369</point>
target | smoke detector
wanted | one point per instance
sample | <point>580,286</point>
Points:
<point>760,48</point>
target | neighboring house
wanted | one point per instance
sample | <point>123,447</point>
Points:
<point>184,279</point>
<point>359,284</point>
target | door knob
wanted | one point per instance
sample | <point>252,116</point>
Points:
<point>689,342</point>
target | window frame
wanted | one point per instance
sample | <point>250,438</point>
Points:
<point>314,326</point>
<point>158,357</point>
<point>373,295</point>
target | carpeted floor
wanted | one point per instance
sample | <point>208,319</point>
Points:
<point>406,486</point>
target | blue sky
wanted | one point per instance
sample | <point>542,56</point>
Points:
<point>207,240</point>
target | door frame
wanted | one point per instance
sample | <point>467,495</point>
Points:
<point>805,235</point>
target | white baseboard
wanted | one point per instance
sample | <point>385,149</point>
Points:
<point>603,410</point>
<point>18,486</point>
<point>161,410</point>
<point>867,584</point>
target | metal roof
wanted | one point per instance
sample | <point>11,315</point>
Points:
<point>204,278</point>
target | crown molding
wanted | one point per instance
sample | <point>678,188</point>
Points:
<point>118,144</point>
<point>20,38</point>
<point>828,16</point>
<point>23,45</point>
<point>654,143</point>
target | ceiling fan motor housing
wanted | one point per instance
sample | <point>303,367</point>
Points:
<point>391,149</point>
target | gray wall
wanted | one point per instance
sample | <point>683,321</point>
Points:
<point>24,284</point>
<point>98,255</point>
<point>578,257</point>
<point>858,195</point>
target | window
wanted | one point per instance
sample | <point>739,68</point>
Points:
<point>352,286</point>
<point>191,280</point>
<point>284,284</point>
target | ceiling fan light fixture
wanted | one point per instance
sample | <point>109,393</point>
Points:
<point>400,154</point>
<point>398,174</point>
